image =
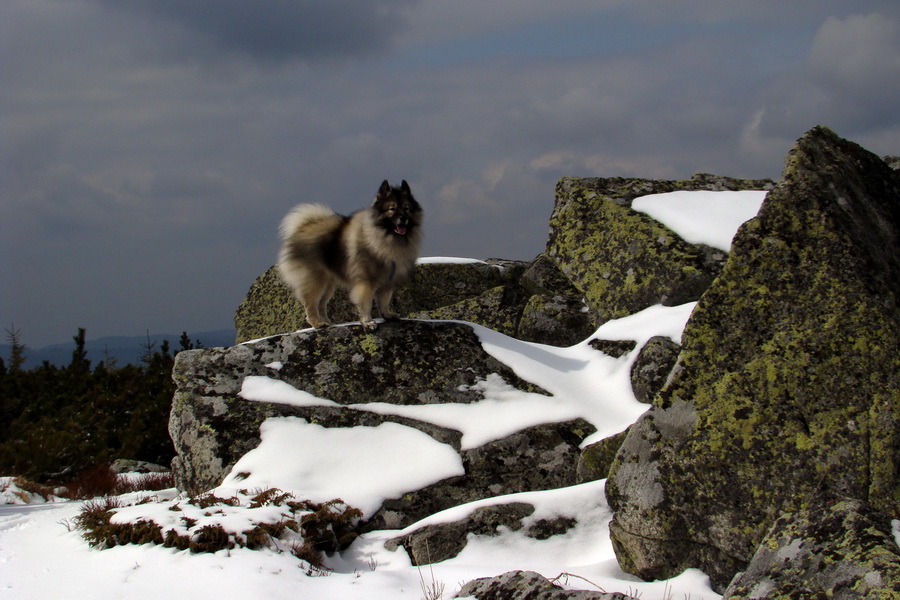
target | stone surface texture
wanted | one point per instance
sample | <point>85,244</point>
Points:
<point>787,388</point>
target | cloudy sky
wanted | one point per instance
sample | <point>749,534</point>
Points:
<point>148,149</point>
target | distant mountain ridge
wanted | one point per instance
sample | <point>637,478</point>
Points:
<point>124,349</point>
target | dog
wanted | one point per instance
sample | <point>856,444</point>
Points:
<point>370,252</point>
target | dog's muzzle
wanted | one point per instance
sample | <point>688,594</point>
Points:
<point>400,224</point>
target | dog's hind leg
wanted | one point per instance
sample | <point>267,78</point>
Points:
<point>383,299</point>
<point>361,295</point>
<point>324,300</point>
<point>313,316</point>
<point>311,292</point>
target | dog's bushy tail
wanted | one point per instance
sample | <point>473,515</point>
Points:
<point>303,214</point>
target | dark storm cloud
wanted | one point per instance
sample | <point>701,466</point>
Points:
<point>278,30</point>
<point>150,148</point>
<point>849,80</point>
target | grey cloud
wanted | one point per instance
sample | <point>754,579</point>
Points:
<point>155,185</point>
<point>278,30</point>
<point>858,60</point>
<point>850,79</point>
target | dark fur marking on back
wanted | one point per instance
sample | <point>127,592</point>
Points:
<point>334,253</point>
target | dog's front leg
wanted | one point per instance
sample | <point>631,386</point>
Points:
<point>361,296</point>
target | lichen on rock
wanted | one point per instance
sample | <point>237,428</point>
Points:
<point>271,309</point>
<point>843,550</point>
<point>528,585</point>
<point>624,261</point>
<point>407,362</point>
<point>791,369</point>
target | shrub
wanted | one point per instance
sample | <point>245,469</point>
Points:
<point>95,481</point>
<point>330,526</point>
<point>306,529</point>
<point>103,481</point>
<point>147,482</point>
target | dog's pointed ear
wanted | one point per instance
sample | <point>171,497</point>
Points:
<point>404,187</point>
<point>385,188</point>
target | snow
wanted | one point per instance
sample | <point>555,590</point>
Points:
<point>374,463</point>
<point>11,493</point>
<point>266,389</point>
<point>448,260</point>
<point>702,217</point>
<point>595,387</point>
<point>42,556</point>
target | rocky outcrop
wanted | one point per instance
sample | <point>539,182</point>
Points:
<point>528,585</point>
<point>602,261</point>
<point>406,362</point>
<point>270,307</point>
<point>843,550</point>
<point>653,366</point>
<point>787,387</point>
<point>529,301</point>
<point>436,543</point>
<point>624,261</point>
<point>535,304</point>
<point>771,448</point>
<point>596,459</point>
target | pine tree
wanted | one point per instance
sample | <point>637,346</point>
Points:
<point>148,347</point>
<point>80,363</point>
<point>17,354</point>
<point>186,343</point>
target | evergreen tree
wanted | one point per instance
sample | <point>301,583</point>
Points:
<point>79,363</point>
<point>187,344</point>
<point>148,347</point>
<point>17,354</point>
<point>56,422</point>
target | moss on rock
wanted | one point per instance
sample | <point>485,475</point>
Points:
<point>624,261</point>
<point>270,307</point>
<point>787,389</point>
<point>595,460</point>
<point>406,362</point>
<point>842,550</point>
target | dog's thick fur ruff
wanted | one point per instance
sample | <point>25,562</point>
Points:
<point>370,252</point>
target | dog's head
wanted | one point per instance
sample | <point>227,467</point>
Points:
<point>397,211</point>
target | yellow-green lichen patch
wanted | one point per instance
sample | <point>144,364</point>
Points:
<point>792,361</point>
<point>624,261</point>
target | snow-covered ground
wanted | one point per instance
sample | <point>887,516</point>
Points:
<point>42,557</point>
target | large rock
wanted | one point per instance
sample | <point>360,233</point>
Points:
<point>270,307</point>
<point>624,261</point>
<point>842,551</point>
<point>653,366</point>
<point>528,585</point>
<point>542,457</point>
<point>596,459</point>
<point>442,541</point>
<point>787,388</point>
<point>406,362</point>
<point>536,303</point>
<point>529,301</point>
<point>602,261</point>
